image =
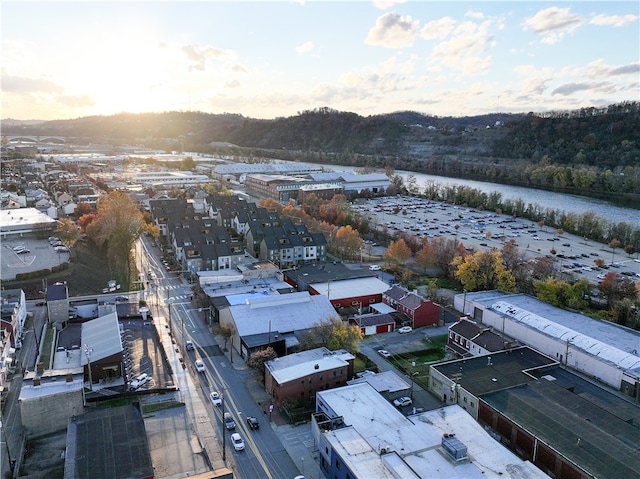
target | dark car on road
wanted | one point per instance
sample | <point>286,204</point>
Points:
<point>253,422</point>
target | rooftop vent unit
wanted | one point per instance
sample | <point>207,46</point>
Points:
<point>454,447</point>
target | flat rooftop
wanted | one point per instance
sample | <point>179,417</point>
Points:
<point>378,441</point>
<point>484,374</point>
<point>588,434</point>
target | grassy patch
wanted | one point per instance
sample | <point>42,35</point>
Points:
<point>47,346</point>
<point>417,363</point>
<point>159,406</point>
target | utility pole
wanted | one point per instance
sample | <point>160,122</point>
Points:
<point>224,433</point>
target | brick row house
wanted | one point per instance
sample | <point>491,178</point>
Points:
<point>467,338</point>
<point>300,375</point>
<point>416,310</point>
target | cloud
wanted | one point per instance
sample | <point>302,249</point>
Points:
<point>76,101</point>
<point>474,14</point>
<point>599,69</point>
<point>465,48</point>
<point>553,23</point>
<point>23,85</point>
<point>384,4</point>
<point>613,20</point>
<point>199,55</point>
<point>238,68</point>
<point>304,48</point>
<point>393,31</point>
<point>571,88</point>
<point>440,28</point>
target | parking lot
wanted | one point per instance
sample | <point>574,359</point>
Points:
<point>483,230</point>
<point>41,255</point>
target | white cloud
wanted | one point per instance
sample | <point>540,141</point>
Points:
<point>474,14</point>
<point>199,55</point>
<point>24,85</point>
<point>305,47</point>
<point>438,28</point>
<point>393,31</point>
<point>466,48</point>
<point>385,4</point>
<point>553,23</point>
<point>613,20</point>
<point>598,69</point>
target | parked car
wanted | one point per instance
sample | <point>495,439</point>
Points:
<point>229,423</point>
<point>23,251</point>
<point>236,440</point>
<point>140,381</point>
<point>253,422</point>
<point>402,401</point>
<point>384,353</point>
<point>405,329</point>
<point>121,299</point>
<point>61,249</point>
<point>374,267</point>
<point>200,366</point>
<point>215,398</point>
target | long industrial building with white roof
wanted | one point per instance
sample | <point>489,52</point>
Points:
<point>603,350</point>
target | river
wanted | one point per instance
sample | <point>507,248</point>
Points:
<point>546,199</point>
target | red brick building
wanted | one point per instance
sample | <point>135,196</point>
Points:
<point>419,311</point>
<point>301,374</point>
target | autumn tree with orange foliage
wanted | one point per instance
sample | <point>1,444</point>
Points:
<point>398,253</point>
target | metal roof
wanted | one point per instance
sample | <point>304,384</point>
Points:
<point>285,313</point>
<point>589,435</point>
<point>100,336</point>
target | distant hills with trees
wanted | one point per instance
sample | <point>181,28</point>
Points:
<point>591,151</point>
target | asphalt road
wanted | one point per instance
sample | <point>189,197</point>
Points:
<point>264,454</point>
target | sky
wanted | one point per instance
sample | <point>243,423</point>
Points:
<point>269,59</point>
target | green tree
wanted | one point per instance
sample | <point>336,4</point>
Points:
<point>334,334</point>
<point>561,293</point>
<point>188,164</point>
<point>483,270</point>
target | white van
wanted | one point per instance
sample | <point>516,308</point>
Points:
<point>140,381</point>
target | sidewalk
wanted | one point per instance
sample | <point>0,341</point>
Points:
<point>297,441</point>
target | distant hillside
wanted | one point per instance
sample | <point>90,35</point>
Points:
<point>589,136</point>
<point>592,152</point>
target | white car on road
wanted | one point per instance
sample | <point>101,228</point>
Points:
<point>236,440</point>
<point>215,398</point>
<point>200,366</point>
<point>405,329</point>
<point>384,353</point>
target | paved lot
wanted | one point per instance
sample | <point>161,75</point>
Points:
<point>41,256</point>
<point>483,230</point>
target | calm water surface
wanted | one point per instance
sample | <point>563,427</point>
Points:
<point>546,199</point>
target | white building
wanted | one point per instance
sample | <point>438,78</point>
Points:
<point>601,349</point>
<point>359,434</point>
